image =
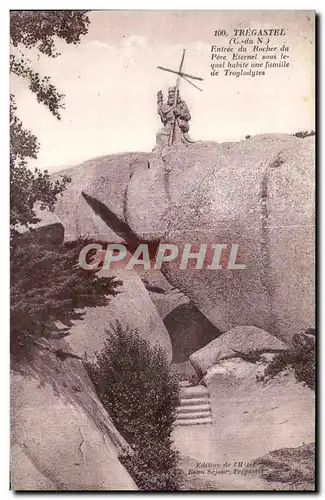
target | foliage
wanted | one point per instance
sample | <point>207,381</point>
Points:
<point>251,356</point>
<point>38,30</point>
<point>137,389</point>
<point>47,286</point>
<point>304,133</point>
<point>291,466</point>
<point>26,187</point>
<point>301,358</point>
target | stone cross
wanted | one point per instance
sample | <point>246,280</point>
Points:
<point>180,74</point>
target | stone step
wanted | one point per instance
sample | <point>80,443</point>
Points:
<point>185,383</point>
<point>193,421</point>
<point>197,391</point>
<point>193,414</point>
<point>193,408</point>
<point>195,401</point>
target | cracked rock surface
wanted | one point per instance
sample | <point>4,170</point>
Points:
<point>62,439</point>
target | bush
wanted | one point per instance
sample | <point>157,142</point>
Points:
<point>301,358</point>
<point>49,286</point>
<point>304,133</point>
<point>140,393</point>
<point>292,466</point>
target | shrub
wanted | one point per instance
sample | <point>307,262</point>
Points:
<point>48,286</point>
<point>292,466</point>
<point>304,133</point>
<point>301,358</point>
<point>251,356</point>
<point>140,393</point>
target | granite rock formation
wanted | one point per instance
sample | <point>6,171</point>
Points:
<point>258,194</point>
<point>61,436</point>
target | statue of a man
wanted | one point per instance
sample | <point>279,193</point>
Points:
<point>175,118</point>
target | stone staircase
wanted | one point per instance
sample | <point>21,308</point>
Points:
<point>195,407</point>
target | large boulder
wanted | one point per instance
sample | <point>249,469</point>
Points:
<point>256,193</point>
<point>240,340</point>
<point>147,188</point>
<point>104,180</point>
<point>132,308</point>
<point>62,437</point>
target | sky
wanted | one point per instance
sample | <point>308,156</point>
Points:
<point>110,81</point>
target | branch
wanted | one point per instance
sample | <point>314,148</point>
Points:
<point>45,91</point>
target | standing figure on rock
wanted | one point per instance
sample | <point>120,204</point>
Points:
<point>175,118</point>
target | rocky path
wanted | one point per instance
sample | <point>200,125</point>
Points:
<point>194,437</point>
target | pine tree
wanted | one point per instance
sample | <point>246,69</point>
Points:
<point>48,286</point>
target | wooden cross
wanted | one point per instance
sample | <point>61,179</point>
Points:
<point>180,74</point>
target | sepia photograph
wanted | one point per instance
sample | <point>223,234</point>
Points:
<point>162,250</point>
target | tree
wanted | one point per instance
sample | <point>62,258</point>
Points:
<point>47,287</point>
<point>36,29</point>
<point>26,187</point>
<point>134,382</point>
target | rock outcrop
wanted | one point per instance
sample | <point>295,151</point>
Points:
<point>255,417</point>
<point>132,308</point>
<point>257,193</point>
<point>239,340</point>
<point>62,437</point>
<point>105,180</point>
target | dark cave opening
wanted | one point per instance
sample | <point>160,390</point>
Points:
<point>189,330</point>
